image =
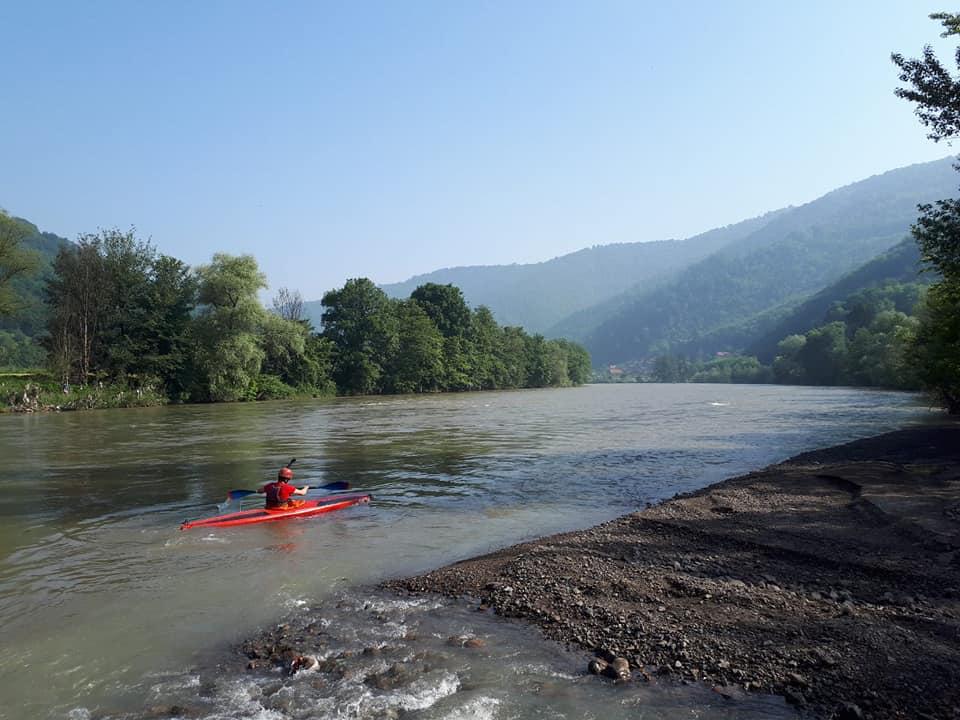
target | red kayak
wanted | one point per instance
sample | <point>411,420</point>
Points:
<point>259,515</point>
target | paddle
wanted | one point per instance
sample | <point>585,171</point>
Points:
<point>342,485</point>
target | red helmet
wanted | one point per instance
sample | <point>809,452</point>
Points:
<point>285,474</point>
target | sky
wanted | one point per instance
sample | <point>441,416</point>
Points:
<point>388,139</point>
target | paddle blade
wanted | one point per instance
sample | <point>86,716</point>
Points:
<point>342,485</point>
<point>237,494</point>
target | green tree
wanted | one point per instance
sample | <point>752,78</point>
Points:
<point>417,365</point>
<point>937,346</point>
<point>119,311</point>
<point>732,369</point>
<point>787,368</point>
<point>15,260</point>
<point>457,365</point>
<point>486,340</point>
<point>936,94</point>
<point>671,369</point>
<point>123,335</point>
<point>444,304</point>
<point>824,354</point>
<point>932,87</point>
<point>359,320</point>
<point>579,370</point>
<point>77,295</point>
<point>284,344</point>
<point>229,354</point>
<point>170,301</point>
<point>878,353</point>
<point>512,363</point>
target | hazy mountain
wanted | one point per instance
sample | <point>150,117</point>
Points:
<point>538,295</point>
<point>752,283</point>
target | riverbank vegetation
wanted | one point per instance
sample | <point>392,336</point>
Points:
<point>867,341</point>
<point>128,326</point>
<point>936,94</point>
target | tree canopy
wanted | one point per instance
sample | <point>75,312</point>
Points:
<point>936,94</point>
<point>15,260</point>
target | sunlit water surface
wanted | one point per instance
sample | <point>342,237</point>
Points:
<point>109,610</point>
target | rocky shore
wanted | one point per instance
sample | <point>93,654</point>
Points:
<point>832,579</point>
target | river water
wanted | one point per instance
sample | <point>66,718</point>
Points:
<point>108,610</point>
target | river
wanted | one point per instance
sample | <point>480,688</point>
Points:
<point>110,611</point>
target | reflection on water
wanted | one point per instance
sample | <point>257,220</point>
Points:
<point>100,591</point>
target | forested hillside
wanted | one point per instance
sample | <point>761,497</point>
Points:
<point>28,315</point>
<point>898,267</point>
<point>798,253</point>
<point>537,296</point>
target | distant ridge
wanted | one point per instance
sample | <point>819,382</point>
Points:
<point>726,300</point>
<point>536,296</point>
<point>722,290</point>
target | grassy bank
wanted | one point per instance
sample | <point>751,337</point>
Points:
<point>39,392</point>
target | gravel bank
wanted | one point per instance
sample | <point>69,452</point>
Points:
<point>832,579</point>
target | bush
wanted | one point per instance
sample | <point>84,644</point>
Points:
<point>270,387</point>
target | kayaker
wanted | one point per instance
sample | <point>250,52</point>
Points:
<point>280,491</point>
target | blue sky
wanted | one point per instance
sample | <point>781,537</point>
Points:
<point>386,139</point>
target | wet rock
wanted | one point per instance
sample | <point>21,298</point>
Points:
<point>303,663</point>
<point>169,711</point>
<point>597,666</point>
<point>466,641</point>
<point>330,666</point>
<point>282,703</point>
<point>395,676</point>
<point>619,669</point>
<point>271,688</point>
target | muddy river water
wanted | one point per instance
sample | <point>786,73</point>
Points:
<point>108,610</point>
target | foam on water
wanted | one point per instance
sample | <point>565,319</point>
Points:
<point>367,670</point>
<point>479,708</point>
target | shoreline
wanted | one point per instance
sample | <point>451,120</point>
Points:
<point>832,579</point>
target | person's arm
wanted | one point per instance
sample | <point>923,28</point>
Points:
<point>301,491</point>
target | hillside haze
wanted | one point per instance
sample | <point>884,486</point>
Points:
<point>537,296</point>
<point>727,289</point>
<point>796,254</point>
<point>899,265</point>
